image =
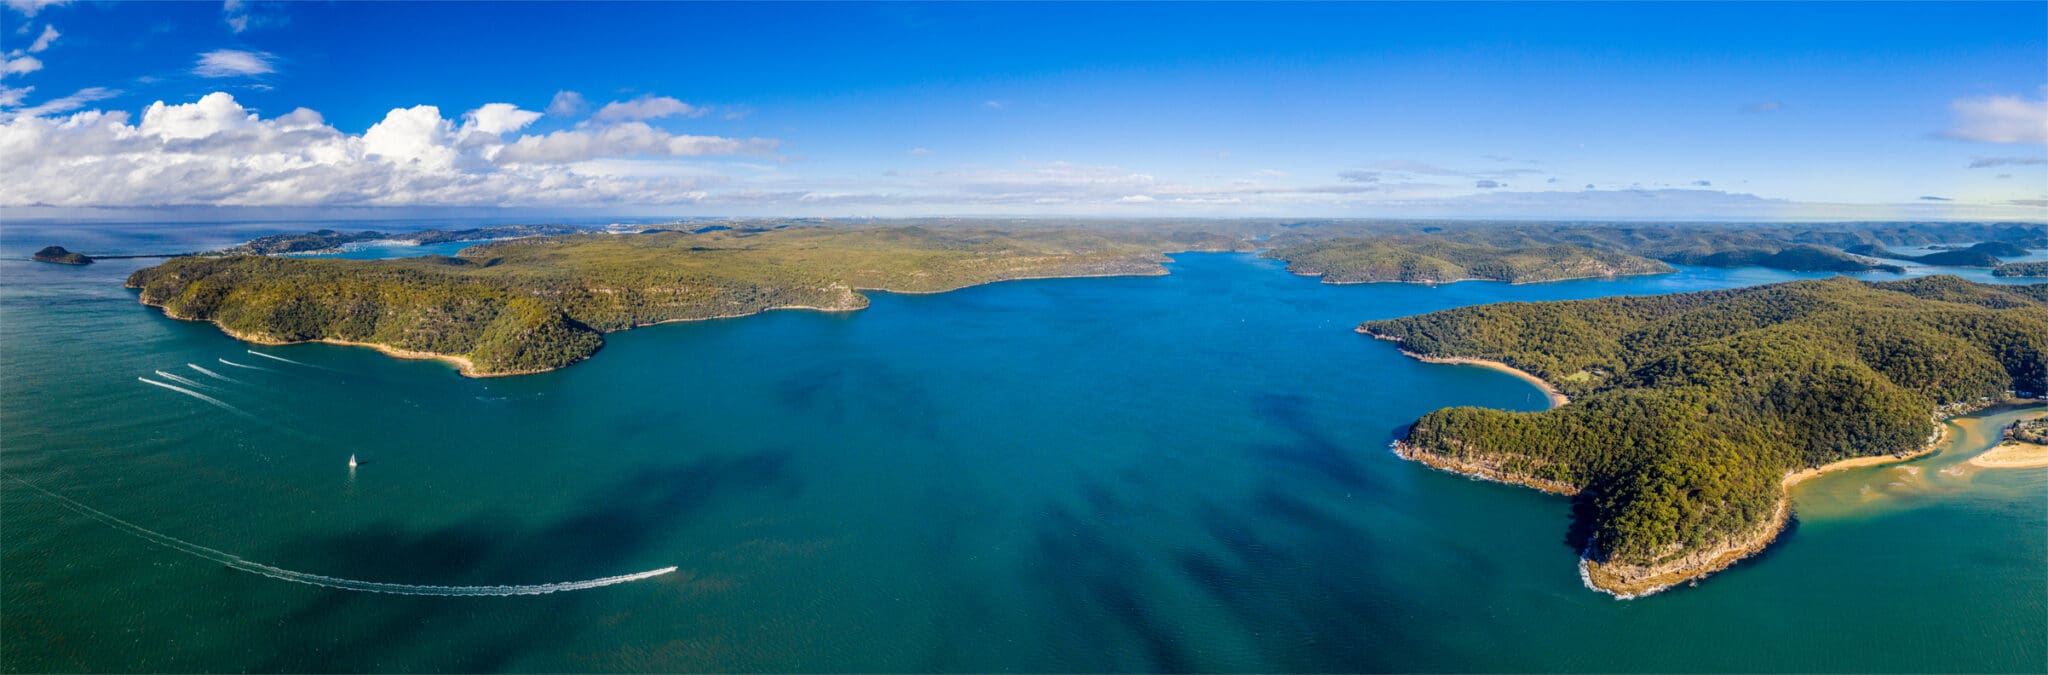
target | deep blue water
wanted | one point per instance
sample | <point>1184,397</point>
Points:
<point>1185,472</point>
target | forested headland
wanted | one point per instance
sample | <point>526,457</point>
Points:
<point>1690,411</point>
<point>539,303</point>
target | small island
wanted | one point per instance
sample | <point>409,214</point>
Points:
<point>1983,254</point>
<point>534,304</point>
<point>1692,414</point>
<point>60,256</point>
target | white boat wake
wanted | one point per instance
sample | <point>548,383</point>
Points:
<point>211,374</point>
<point>193,394</point>
<point>279,573</point>
<point>280,358</point>
<point>180,380</point>
<point>237,365</point>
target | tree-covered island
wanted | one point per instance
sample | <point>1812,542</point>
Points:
<point>1692,413</point>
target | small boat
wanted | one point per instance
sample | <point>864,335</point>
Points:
<point>351,461</point>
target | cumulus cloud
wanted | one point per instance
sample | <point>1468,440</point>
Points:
<point>647,107</point>
<point>499,118</point>
<point>234,63</point>
<point>44,40</point>
<point>29,8</point>
<point>216,152</point>
<point>1990,162</point>
<point>2000,119</point>
<point>567,104</point>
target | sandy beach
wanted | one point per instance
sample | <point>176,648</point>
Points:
<point>1557,398</point>
<point>2013,455</point>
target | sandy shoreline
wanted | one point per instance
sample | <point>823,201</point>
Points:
<point>1557,398</point>
<point>2013,455</point>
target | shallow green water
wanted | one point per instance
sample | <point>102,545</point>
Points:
<point>1173,473</point>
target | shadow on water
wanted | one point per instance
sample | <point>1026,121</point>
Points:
<point>1305,447</point>
<point>1089,578</point>
<point>351,631</point>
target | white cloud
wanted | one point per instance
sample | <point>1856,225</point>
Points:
<point>2000,119</point>
<point>1136,199</point>
<point>9,98</point>
<point>632,139</point>
<point>234,63</point>
<point>920,151</point>
<point>498,118</point>
<point>216,152</point>
<point>245,15</point>
<point>43,41</point>
<point>645,108</point>
<point>29,8</point>
<point>236,13</point>
<point>19,65</point>
<point>567,104</point>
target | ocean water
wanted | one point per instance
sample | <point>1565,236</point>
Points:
<point>1184,473</point>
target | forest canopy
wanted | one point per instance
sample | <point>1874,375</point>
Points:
<point>1689,409</point>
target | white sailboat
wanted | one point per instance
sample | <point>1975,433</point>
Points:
<point>351,461</point>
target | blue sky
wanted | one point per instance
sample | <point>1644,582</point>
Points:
<point>1685,111</point>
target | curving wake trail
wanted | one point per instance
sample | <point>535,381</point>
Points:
<point>193,394</point>
<point>211,374</point>
<point>280,573</point>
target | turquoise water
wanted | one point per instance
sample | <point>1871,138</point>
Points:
<point>1185,472</point>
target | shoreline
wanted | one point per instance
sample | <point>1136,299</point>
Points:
<point>1628,582</point>
<point>1557,398</point>
<point>467,368</point>
<point>2012,455</point>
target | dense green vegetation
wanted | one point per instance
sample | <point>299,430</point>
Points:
<point>1689,409</point>
<point>1433,259</point>
<point>2025,269</point>
<point>2029,431</point>
<point>61,256</point>
<point>532,304</point>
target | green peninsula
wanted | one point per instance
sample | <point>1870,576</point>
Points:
<point>540,303</point>
<point>1435,260</point>
<point>1691,413</point>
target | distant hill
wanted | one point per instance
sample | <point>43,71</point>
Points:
<point>1430,259</point>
